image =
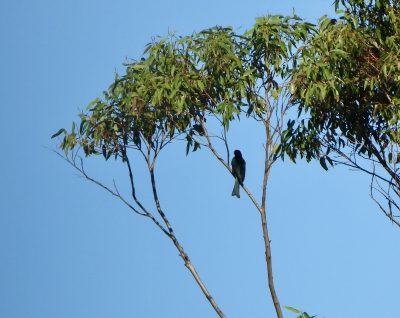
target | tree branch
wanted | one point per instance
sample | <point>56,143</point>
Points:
<point>261,209</point>
<point>170,233</point>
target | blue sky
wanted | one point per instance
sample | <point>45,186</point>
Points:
<point>68,249</point>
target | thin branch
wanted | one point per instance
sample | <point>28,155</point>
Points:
<point>268,162</point>
<point>383,210</point>
<point>352,163</point>
<point>169,233</point>
<point>226,144</point>
<point>116,194</point>
<point>182,253</point>
<point>267,169</point>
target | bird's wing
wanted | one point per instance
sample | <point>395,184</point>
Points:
<point>235,168</point>
<point>243,170</point>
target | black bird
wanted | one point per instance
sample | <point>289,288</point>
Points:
<point>238,171</point>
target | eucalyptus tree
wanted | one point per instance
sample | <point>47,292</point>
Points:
<point>174,91</point>
<point>346,91</point>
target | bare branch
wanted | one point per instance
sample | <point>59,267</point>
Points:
<point>226,144</point>
<point>116,194</point>
<point>383,210</point>
<point>145,213</point>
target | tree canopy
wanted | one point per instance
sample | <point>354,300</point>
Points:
<point>182,79</point>
<point>348,83</point>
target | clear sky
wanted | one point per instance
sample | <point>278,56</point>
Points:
<point>68,249</point>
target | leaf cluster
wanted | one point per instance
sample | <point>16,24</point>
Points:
<point>347,82</point>
<point>179,81</point>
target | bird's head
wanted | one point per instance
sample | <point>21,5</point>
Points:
<point>238,153</point>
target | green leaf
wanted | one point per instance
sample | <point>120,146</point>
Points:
<point>92,103</point>
<point>283,48</point>
<point>83,122</point>
<point>223,45</point>
<point>104,151</point>
<point>59,133</point>
<point>187,147</point>
<point>109,154</point>
<point>138,66</point>
<point>325,23</point>
<point>384,71</point>
<point>196,146</point>
<point>276,148</point>
<point>323,163</point>
<point>292,309</point>
<point>247,73</point>
<point>340,52</point>
<point>201,85</point>
<point>147,48</point>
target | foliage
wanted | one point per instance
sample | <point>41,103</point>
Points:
<point>347,82</point>
<point>302,314</point>
<point>180,79</point>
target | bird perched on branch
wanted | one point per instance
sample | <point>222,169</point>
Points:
<point>238,171</point>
